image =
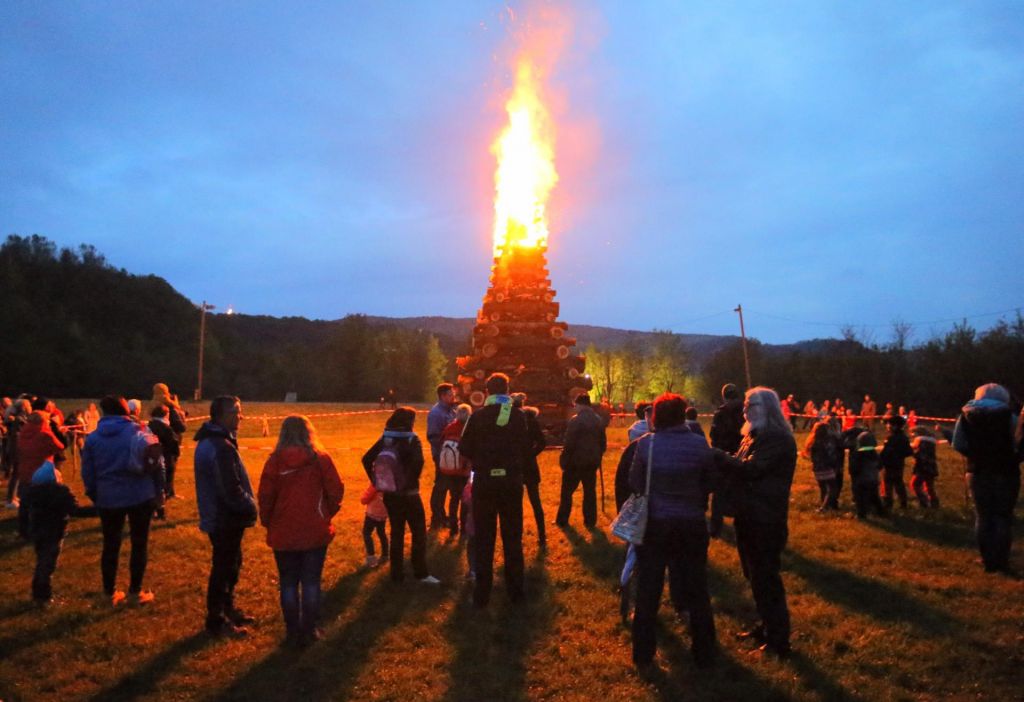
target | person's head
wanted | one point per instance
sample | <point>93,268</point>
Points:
<point>158,412</point>
<point>582,400</point>
<point>669,411</point>
<point>134,408</point>
<point>866,441</point>
<point>40,404</point>
<point>497,384</point>
<point>763,412</point>
<point>518,399</point>
<point>446,393</point>
<point>298,431</point>
<point>896,423</point>
<point>867,398</point>
<point>5,402</point>
<point>691,414</point>
<point>821,430</point>
<point>402,419</point>
<point>789,397</point>
<point>462,412</point>
<point>730,392</point>
<point>988,391</point>
<point>226,411</point>
<point>114,406</point>
<point>641,409</point>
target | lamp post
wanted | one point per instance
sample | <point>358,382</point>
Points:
<point>746,356</point>
<point>203,309</point>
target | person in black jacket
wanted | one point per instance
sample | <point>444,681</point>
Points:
<point>52,504</point>
<point>763,468</point>
<point>404,506</point>
<point>895,451</point>
<point>585,444</point>
<point>497,441</point>
<point>725,435</point>
<point>173,418</point>
<point>531,472</point>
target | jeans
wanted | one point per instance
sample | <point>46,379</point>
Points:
<point>533,493</point>
<point>865,495</point>
<point>402,510</point>
<point>112,521</point>
<point>682,548</point>
<point>924,489</point>
<point>995,496</point>
<point>572,477</point>
<point>828,494</point>
<point>453,486</point>
<point>438,517</point>
<point>371,525</point>
<point>760,548</point>
<point>224,570</point>
<point>497,502</point>
<point>299,573</point>
<point>892,481</point>
<point>47,552</point>
<point>170,464</point>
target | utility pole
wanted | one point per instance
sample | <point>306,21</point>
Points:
<point>746,355</point>
<point>202,343</point>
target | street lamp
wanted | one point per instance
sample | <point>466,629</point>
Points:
<point>203,309</point>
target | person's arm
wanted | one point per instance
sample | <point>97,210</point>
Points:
<point>415,464</point>
<point>762,460</point>
<point>638,465</point>
<point>229,482</point>
<point>435,426</point>
<point>89,471</point>
<point>569,445</point>
<point>537,441</point>
<point>176,421</point>
<point>334,489</point>
<point>960,442</point>
<point>622,487</point>
<point>267,493</point>
<point>604,440</point>
<point>369,457</point>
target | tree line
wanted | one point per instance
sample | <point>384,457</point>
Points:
<point>75,326</point>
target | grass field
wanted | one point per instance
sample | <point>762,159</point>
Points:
<point>889,609</point>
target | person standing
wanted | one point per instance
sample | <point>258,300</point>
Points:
<point>764,466</point>
<point>227,508</point>
<point>117,483</point>
<point>642,424</point>
<point>401,451</point>
<point>585,444</point>
<point>455,469</point>
<point>497,441</point>
<point>895,451</point>
<point>531,473</point>
<point>299,494</point>
<point>868,410</point>
<point>174,419</point>
<point>682,471</point>
<point>92,418</point>
<point>36,443</point>
<point>440,416</point>
<point>984,434</point>
<point>726,435</point>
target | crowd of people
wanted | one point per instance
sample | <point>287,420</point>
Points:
<point>485,461</point>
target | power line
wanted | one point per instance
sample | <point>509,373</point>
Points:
<point>877,325</point>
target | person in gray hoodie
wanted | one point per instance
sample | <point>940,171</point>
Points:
<point>585,444</point>
<point>984,434</point>
<point>121,490</point>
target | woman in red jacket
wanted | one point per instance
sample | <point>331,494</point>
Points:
<point>299,493</point>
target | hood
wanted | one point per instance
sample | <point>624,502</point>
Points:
<point>114,424</point>
<point>212,430</point>
<point>985,406</point>
<point>45,473</point>
<point>394,434</point>
<point>294,457</point>
<point>732,405</point>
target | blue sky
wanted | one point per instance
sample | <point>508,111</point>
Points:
<point>821,163</point>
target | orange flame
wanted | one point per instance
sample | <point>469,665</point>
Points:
<point>526,167</point>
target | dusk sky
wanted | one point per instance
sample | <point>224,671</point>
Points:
<point>820,163</point>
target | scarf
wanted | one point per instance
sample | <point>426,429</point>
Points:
<point>506,407</point>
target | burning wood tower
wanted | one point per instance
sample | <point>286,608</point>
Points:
<point>517,330</point>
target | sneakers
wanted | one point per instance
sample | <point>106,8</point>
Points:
<point>429,580</point>
<point>136,599</point>
<point>117,598</point>
<point>371,562</point>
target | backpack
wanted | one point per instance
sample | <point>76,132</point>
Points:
<point>388,473</point>
<point>451,461</point>
<point>147,454</point>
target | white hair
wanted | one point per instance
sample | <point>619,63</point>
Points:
<point>771,418</point>
<point>463,411</point>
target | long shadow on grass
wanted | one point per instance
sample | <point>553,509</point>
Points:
<point>491,645</point>
<point>938,530</point>
<point>598,555</point>
<point>328,669</point>
<point>145,680</point>
<point>873,598</point>
<point>59,628</point>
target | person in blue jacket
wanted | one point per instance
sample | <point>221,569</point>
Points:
<point>226,509</point>
<point>121,490</point>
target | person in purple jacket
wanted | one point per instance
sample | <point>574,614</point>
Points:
<point>682,473</point>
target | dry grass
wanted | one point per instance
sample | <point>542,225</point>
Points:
<point>884,610</point>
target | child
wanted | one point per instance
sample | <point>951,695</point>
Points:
<point>468,529</point>
<point>374,521</point>
<point>864,470</point>
<point>453,466</point>
<point>894,452</point>
<point>52,504</point>
<point>926,468</point>
<point>826,456</point>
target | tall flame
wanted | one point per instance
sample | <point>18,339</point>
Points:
<point>526,167</point>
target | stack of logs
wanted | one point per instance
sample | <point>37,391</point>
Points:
<point>517,332</point>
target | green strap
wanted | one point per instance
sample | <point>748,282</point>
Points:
<point>506,407</point>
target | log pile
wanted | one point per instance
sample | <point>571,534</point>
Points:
<point>517,332</point>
